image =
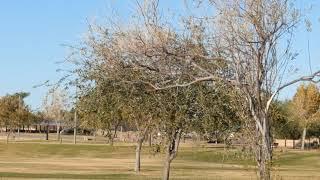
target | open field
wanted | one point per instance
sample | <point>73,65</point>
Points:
<point>86,161</point>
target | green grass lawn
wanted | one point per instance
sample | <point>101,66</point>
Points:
<point>67,161</point>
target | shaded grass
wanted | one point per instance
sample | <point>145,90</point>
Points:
<point>231,156</point>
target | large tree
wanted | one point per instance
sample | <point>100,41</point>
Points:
<point>242,44</point>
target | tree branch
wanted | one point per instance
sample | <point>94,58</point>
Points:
<point>310,78</point>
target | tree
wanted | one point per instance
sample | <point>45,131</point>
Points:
<point>13,112</point>
<point>55,105</point>
<point>242,48</point>
<point>305,106</point>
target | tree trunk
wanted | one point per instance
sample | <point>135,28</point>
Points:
<point>303,138</point>
<point>285,142</point>
<point>172,152</point>
<point>216,133</point>
<point>166,168</point>
<point>264,157</point>
<point>58,131</point>
<point>138,156</point>
<point>150,140</point>
<point>8,135</point>
<point>47,133</point>
<point>264,148</point>
<point>294,144</point>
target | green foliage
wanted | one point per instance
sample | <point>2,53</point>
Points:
<point>283,123</point>
<point>14,112</point>
<point>219,111</point>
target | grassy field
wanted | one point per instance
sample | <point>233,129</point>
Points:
<point>67,161</point>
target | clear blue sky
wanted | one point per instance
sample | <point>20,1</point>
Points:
<point>32,32</point>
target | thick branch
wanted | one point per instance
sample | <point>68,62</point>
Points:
<point>310,78</point>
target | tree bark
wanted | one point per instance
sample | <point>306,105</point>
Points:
<point>285,142</point>
<point>138,156</point>
<point>166,168</point>
<point>8,135</point>
<point>150,140</point>
<point>264,157</point>
<point>172,152</point>
<point>47,132</point>
<point>264,148</point>
<point>58,131</point>
<point>303,137</point>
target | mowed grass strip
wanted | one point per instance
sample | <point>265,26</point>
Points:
<point>64,176</point>
<point>68,161</point>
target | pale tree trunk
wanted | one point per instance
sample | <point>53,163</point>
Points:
<point>303,137</point>
<point>150,140</point>
<point>166,168</point>
<point>171,153</point>
<point>58,131</point>
<point>142,136</point>
<point>8,135</point>
<point>264,158</point>
<point>263,142</point>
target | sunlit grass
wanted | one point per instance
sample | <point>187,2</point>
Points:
<point>68,161</point>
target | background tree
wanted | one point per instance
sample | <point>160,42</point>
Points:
<point>13,112</point>
<point>305,107</point>
<point>55,104</point>
<point>283,124</point>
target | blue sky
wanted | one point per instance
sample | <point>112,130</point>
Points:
<point>31,34</point>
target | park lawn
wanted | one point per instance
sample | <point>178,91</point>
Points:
<point>67,161</point>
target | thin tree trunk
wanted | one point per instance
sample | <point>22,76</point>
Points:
<point>58,131</point>
<point>8,135</point>
<point>166,168</point>
<point>47,133</point>
<point>294,144</point>
<point>142,136</point>
<point>303,138</point>
<point>285,142</point>
<point>216,133</point>
<point>150,140</point>
<point>138,156</point>
<point>172,152</point>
